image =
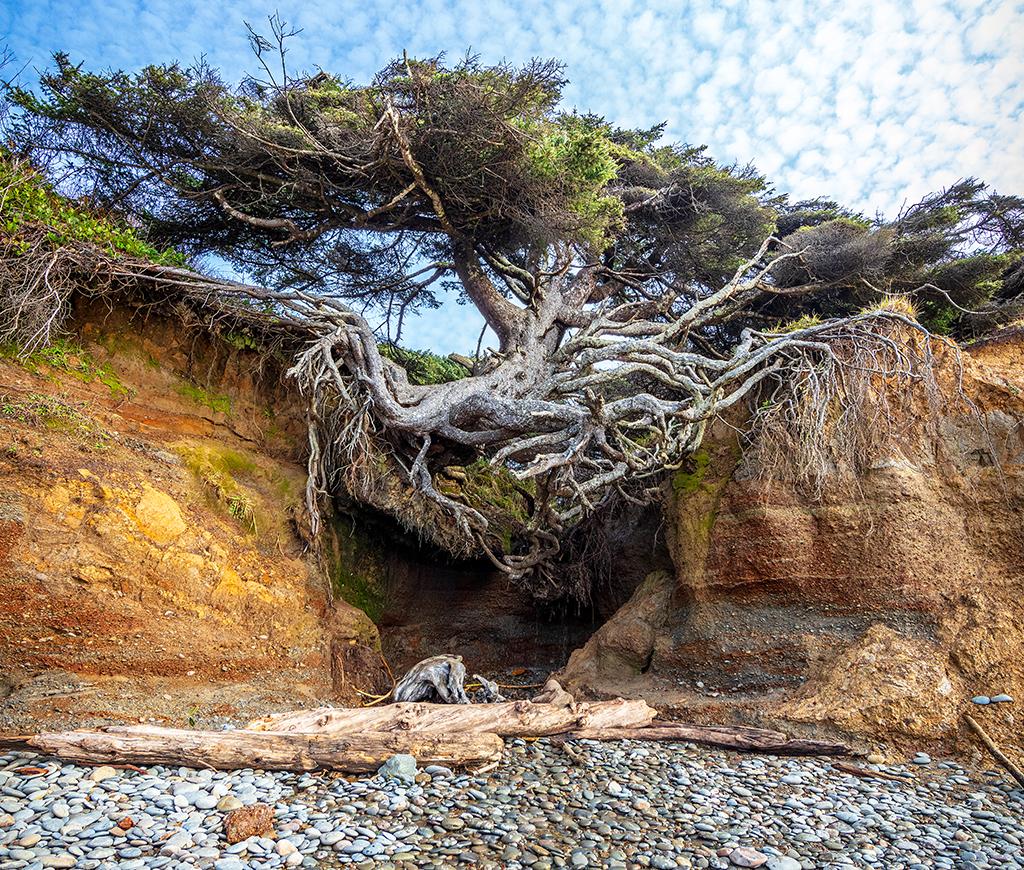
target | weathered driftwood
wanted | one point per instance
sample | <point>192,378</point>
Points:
<point>725,736</point>
<point>995,751</point>
<point>231,750</point>
<point>553,693</point>
<point>489,691</point>
<point>439,678</point>
<point>508,719</point>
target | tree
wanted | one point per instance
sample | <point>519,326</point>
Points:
<point>635,289</point>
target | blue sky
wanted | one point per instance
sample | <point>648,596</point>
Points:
<point>872,103</point>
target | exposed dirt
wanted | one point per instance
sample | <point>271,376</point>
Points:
<point>149,564</point>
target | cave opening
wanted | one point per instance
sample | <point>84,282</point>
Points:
<point>424,602</point>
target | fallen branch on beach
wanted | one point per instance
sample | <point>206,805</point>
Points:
<point>995,751</point>
<point>233,750</point>
<point>723,736</point>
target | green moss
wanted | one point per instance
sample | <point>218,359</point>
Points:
<point>686,482</point>
<point>360,592</point>
<point>68,358</point>
<point>217,402</point>
<point>356,574</point>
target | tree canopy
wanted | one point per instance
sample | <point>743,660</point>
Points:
<point>636,288</point>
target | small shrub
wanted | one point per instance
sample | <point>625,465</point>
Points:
<point>422,366</point>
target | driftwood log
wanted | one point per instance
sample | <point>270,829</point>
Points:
<point>508,719</point>
<point>723,736</point>
<point>232,750</point>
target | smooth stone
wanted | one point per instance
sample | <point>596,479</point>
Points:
<point>981,699</point>
<point>743,856</point>
<point>783,862</point>
<point>402,767</point>
<point>101,773</point>
<point>1001,699</point>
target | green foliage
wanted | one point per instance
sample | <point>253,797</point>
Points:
<point>27,199</point>
<point>575,153</point>
<point>242,340</point>
<point>217,467</point>
<point>422,366</point>
<point>805,321</point>
<point>811,212</point>
<point>217,402</point>
<point>68,358</point>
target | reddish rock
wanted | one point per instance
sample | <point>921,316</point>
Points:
<point>254,821</point>
<point>747,857</point>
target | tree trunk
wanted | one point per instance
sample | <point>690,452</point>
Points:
<point>509,719</point>
<point>232,750</point>
<point>724,736</point>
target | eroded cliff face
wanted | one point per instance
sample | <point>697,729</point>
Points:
<point>150,565</point>
<point>877,610</point>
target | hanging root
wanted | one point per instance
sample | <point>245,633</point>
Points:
<point>832,414</point>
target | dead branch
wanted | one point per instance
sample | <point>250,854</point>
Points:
<point>995,751</point>
<point>723,736</point>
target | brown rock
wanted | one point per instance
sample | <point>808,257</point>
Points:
<point>126,823</point>
<point>870,608</point>
<point>159,517</point>
<point>254,821</point>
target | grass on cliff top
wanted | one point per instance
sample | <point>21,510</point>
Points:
<point>27,200</point>
<point>66,357</point>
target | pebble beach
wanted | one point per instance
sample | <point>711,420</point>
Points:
<point>608,805</point>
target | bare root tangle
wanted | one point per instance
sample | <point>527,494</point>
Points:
<point>603,414</point>
<point>603,263</point>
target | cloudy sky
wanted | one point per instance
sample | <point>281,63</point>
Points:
<point>873,103</point>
